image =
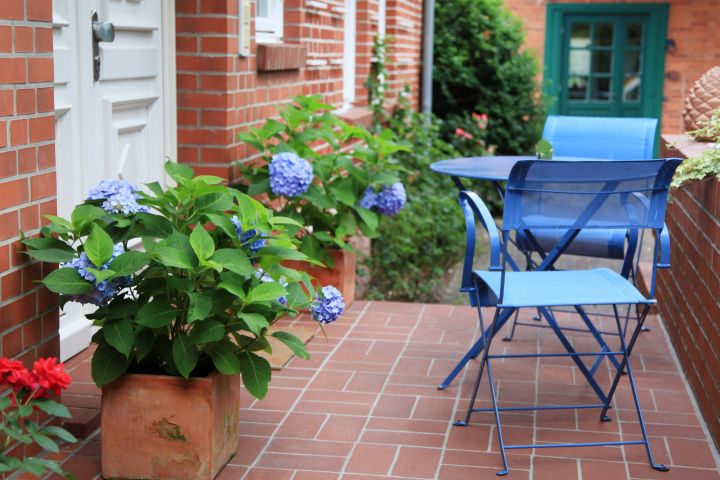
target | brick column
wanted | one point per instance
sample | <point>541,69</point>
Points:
<point>404,25</point>
<point>28,313</point>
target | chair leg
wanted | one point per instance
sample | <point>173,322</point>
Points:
<point>625,364</point>
<point>487,340</point>
<point>474,351</point>
<point>510,336</point>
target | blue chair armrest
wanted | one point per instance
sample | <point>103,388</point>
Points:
<point>473,207</point>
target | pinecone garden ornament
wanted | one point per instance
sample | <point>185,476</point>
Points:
<point>702,101</point>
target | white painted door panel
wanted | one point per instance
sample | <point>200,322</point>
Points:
<point>117,126</point>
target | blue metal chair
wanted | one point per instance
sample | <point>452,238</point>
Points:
<point>607,138</point>
<point>572,197</point>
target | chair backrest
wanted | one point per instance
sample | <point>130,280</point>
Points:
<point>612,138</point>
<point>587,194</point>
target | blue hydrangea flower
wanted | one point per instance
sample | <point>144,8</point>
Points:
<point>265,278</point>
<point>369,198</point>
<point>120,197</point>
<point>290,175</point>
<point>391,199</point>
<point>328,305</point>
<point>257,244</point>
<point>103,291</point>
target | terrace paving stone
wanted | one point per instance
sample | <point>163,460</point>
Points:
<point>366,407</point>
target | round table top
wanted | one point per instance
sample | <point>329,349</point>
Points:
<point>494,168</point>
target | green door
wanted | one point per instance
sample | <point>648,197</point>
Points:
<point>606,60</point>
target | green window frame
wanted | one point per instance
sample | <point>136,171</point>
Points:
<point>654,18</point>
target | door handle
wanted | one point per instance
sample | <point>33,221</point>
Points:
<point>101,32</point>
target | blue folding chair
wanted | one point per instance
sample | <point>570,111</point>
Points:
<point>607,138</point>
<point>573,197</point>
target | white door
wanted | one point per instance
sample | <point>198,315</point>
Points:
<point>118,122</point>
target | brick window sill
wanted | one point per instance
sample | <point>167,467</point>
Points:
<point>275,57</point>
<point>362,115</point>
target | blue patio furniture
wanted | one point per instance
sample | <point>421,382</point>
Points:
<point>572,197</point>
<point>607,138</point>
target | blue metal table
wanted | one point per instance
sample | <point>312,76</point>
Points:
<point>496,169</point>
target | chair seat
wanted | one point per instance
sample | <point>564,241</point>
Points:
<point>598,242</point>
<point>598,286</point>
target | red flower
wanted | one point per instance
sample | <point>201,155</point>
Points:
<point>481,119</point>
<point>462,133</point>
<point>14,373</point>
<point>50,376</point>
<point>20,379</point>
<point>8,366</point>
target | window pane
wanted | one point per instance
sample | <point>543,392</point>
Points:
<point>577,88</point>
<point>634,35</point>
<point>602,61</point>
<point>633,61</point>
<point>631,88</point>
<point>600,89</point>
<point>263,9</point>
<point>579,62</point>
<point>580,35</point>
<point>603,34</point>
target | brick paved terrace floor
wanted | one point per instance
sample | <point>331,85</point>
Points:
<point>365,407</point>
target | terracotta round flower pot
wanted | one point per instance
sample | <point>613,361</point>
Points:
<point>341,275</point>
<point>163,427</point>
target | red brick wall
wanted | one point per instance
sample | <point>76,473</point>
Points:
<point>404,29</point>
<point>28,314</point>
<point>688,293</point>
<point>221,93</point>
<point>691,24</point>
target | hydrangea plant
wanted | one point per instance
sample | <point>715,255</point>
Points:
<point>185,279</point>
<point>320,172</point>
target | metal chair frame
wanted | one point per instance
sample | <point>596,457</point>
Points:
<point>500,261</point>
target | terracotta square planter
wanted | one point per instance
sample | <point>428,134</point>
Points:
<point>163,427</point>
<point>341,276</point>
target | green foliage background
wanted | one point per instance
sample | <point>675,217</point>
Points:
<point>480,67</point>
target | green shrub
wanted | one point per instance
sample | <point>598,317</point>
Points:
<point>415,249</point>
<point>479,67</point>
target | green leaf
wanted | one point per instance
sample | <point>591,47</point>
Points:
<point>343,191</point>
<point>42,243</point>
<point>44,441</point>
<point>59,221</point>
<point>254,321</point>
<point>235,260</point>
<point>285,253</point>
<point>279,220</point>
<point>208,179</point>
<point>265,292</point>
<point>144,342</point>
<point>156,314</point>
<point>207,331</point>
<point>368,217</point>
<point>223,222</point>
<point>60,433</point>
<point>128,263</point>
<point>256,374</point>
<point>215,202</point>
<point>233,283</point>
<point>51,407</point>
<point>66,281</point>
<point>200,307</point>
<point>107,364</point>
<point>544,150</point>
<point>294,343</point>
<point>178,171</point>
<point>155,225</point>
<point>53,255</point>
<point>318,198</point>
<point>98,246</point>
<point>225,358</point>
<point>119,334</point>
<point>259,186</point>
<point>173,257</point>
<point>100,275</point>
<point>33,464</point>
<point>85,214</point>
<point>202,243</point>
<point>184,354</point>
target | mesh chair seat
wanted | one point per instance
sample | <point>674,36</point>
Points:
<point>598,286</point>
